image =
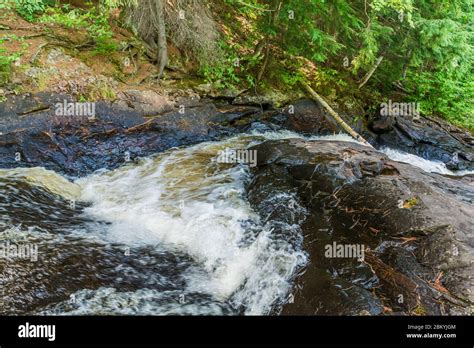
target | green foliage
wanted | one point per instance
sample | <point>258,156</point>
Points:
<point>231,70</point>
<point>450,96</point>
<point>5,4</point>
<point>102,33</point>
<point>290,78</point>
<point>427,46</point>
<point>222,74</point>
<point>6,61</point>
<point>29,8</point>
<point>112,4</point>
<point>96,23</point>
<point>439,69</point>
<point>69,19</point>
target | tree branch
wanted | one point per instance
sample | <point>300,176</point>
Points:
<point>369,74</point>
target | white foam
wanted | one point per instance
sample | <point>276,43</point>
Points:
<point>110,301</point>
<point>182,199</point>
<point>426,165</point>
<point>287,134</point>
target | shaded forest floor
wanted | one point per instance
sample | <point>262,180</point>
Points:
<point>63,57</point>
<point>52,57</point>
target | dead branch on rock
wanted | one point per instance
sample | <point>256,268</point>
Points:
<point>408,286</point>
<point>140,127</point>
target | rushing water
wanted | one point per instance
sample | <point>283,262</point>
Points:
<point>169,234</point>
<point>426,165</point>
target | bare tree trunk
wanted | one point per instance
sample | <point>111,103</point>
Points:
<point>162,56</point>
<point>335,115</point>
<point>369,74</point>
<point>265,63</point>
<point>272,22</point>
<point>406,64</point>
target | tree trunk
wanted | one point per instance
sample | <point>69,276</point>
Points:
<point>369,74</point>
<point>265,63</point>
<point>266,41</point>
<point>162,56</point>
<point>406,64</point>
<point>335,115</point>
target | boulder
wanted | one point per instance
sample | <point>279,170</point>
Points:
<point>146,102</point>
<point>308,117</point>
<point>416,228</point>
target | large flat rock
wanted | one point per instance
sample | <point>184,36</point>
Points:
<point>417,229</point>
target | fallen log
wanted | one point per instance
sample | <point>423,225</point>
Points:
<point>315,96</point>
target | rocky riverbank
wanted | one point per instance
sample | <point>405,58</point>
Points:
<point>415,227</point>
<point>140,123</point>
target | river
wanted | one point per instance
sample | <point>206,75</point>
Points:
<point>172,233</point>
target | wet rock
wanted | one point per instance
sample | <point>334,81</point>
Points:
<point>308,117</point>
<point>260,127</point>
<point>429,138</point>
<point>357,196</point>
<point>266,100</point>
<point>236,113</point>
<point>382,125</point>
<point>32,135</point>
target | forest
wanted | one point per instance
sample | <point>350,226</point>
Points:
<point>408,50</point>
<point>237,157</point>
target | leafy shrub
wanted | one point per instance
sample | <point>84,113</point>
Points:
<point>6,62</point>
<point>70,19</point>
<point>96,22</point>
<point>29,8</point>
<point>5,4</point>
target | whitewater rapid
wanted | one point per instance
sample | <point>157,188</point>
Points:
<point>185,203</point>
<point>184,200</point>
